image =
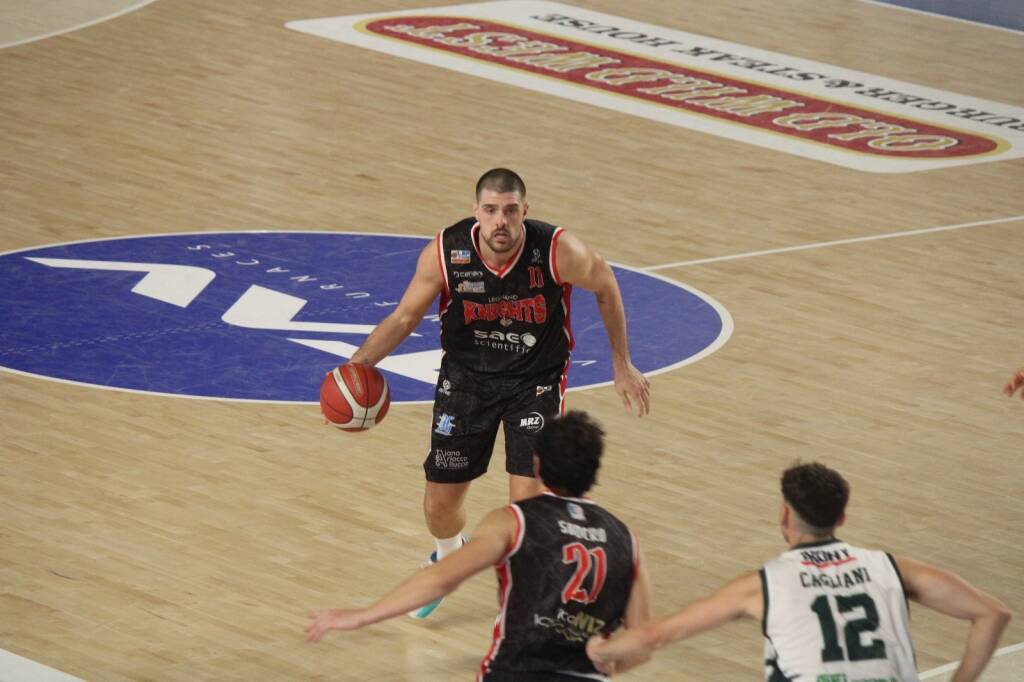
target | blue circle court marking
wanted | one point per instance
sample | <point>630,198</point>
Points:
<point>262,316</point>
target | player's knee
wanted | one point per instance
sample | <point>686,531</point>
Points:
<point>441,507</point>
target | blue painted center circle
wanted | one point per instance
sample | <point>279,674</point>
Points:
<point>82,312</point>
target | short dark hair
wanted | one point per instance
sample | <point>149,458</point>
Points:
<point>569,449</point>
<point>816,493</point>
<point>501,180</point>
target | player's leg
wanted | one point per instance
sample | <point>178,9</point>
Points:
<point>464,428</point>
<point>523,421</point>
<point>523,487</point>
<point>444,510</point>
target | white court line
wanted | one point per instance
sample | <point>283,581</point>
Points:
<point>15,668</point>
<point>935,672</point>
<point>819,245</point>
<point>115,15</point>
<point>937,15</point>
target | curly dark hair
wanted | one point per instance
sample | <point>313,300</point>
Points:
<point>816,493</point>
<point>501,180</point>
<point>569,449</point>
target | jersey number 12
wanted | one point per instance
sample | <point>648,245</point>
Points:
<point>855,648</point>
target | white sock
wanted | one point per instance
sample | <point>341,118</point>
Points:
<point>446,546</point>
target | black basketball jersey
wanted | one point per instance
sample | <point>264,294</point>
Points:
<point>567,577</point>
<point>513,321</point>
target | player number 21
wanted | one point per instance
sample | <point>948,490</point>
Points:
<point>585,560</point>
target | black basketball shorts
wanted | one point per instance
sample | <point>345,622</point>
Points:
<point>467,411</point>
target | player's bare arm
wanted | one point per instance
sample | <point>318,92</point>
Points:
<point>579,265</point>
<point>949,594</point>
<point>491,540</point>
<point>423,289</point>
<point>739,598</point>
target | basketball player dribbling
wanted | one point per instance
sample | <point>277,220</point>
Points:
<point>504,283</point>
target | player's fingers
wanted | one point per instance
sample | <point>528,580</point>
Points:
<point>646,402</point>
<point>625,400</point>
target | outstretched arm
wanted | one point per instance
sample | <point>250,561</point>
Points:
<point>1016,381</point>
<point>949,594</point>
<point>579,265</point>
<point>425,285</point>
<point>741,597</point>
<point>489,543</point>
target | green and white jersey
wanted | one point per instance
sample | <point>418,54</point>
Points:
<point>836,613</point>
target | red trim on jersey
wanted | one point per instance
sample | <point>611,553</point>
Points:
<point>446,295</point>
<point>553,254</point>
<point>504,590</point>
<point>517,539</point>
<point>562,383</point>
<point>567,307</point>
<point>501,272</point>
<point>826,564</point>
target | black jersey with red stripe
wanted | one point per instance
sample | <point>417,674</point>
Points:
<point>566,578</point>
<point>513,321</point>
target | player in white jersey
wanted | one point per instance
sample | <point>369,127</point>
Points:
<point>829,612</point>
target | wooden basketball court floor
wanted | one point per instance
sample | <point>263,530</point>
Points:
<point>159,538</point>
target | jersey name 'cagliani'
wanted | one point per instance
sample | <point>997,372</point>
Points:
<point>513,321</point>
<point>836,612</point>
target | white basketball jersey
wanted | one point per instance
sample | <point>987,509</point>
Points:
<point>835,613</point>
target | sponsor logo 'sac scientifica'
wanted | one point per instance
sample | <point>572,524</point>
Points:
<point>777,101</point>
<point>264,315</point>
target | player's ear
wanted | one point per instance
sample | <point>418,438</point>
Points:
<point>841,520</point>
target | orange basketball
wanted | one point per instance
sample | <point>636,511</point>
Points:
<point>354,397</point>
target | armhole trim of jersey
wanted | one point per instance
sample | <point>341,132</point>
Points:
<point>440,265</point>
<point>903,585</point>
<point>764,596</point>
<point>517,540</point>
<point>554,254</point>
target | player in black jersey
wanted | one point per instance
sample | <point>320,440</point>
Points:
<point>567,570</point>
<point>504,283</point>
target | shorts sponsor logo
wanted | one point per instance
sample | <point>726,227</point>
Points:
<point>532,422</point>
<point>445,424</point>
<point>450,459</point>
<point>460,257</point>
<point>773,100</point>
<point>260,316</point>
